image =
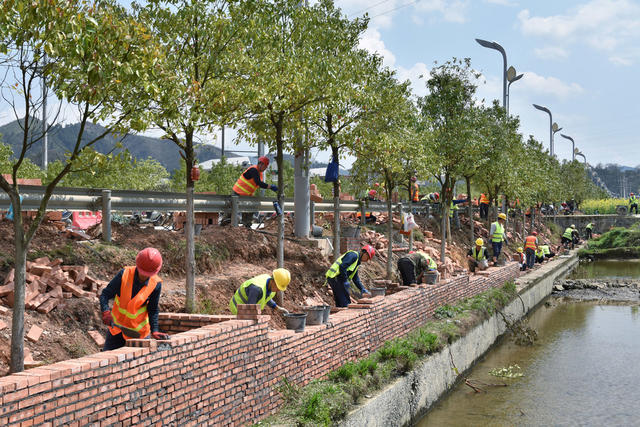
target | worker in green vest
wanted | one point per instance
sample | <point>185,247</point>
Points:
<point>345,269</point>
<point>478,257</point>
<point>261,290</point>
<point>633,203</point>
<point>567,236</point>
<point>413,266</point>
<point>498,236</point>
<point>588,231</point>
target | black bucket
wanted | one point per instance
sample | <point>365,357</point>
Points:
<point>295,321</point>
<point>431,278</point>
<point>315,315</point>
<point>327,310</point>
<point>316,231</point>
<point>376,292</point>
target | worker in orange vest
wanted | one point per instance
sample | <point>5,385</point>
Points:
<point>136,293</point>
<point>248,183</point>
<point>414,192</point>
<point>484,206</point>
<point>530,248</point>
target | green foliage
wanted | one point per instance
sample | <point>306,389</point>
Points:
<point>446,312</point>
<point>27,169</point>
<point>220,179</point>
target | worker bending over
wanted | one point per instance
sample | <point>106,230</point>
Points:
<point>569,236</point>
<point>588,231</point>
<point>413,266</point>
<point>522,262</point>
<point>478,257</point>
<point>261,290</point>
<point>248,183</point>
<point>544,253</point>
<point>345,269</point>
<point>498,236</point>
<point>136,293</point>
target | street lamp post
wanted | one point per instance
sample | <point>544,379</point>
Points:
<point>583,157</point>
<point>573,148</point>
<point>546,110</point>
<point>496,46</point>
<point>512,76</point>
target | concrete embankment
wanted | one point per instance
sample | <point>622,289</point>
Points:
<point>408,398</point>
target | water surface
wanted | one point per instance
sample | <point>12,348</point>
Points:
<point>607,268</point>
<point>583,370</point>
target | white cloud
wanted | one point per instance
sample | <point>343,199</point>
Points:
<point>418,84</point>
<point>502,2</point>
<point>604,25</point>
<point>620,60</point>
<point>549,86</point>
<point>372,41</point>
<point>551,52</point>
<point>451,10</point>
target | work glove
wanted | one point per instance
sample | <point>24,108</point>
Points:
<point>160,336</point>
<point>274,188</point>
<point>106,318</point>
<point>282,310</point>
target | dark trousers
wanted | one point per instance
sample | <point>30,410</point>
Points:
<point>340,292</point>
<point>632,207</point>
<point>566,242</point>
<point>113,341</point>
<point>497,248</point>
<point>587,233</point>
<point>484,210</point>
<point>531,257</point>
<point>407,271</point>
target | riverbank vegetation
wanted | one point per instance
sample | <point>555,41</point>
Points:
<point>325,401</point>
<point>616,243</point>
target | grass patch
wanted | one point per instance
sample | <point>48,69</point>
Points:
<point>326,401</point>
<point>617,243</point>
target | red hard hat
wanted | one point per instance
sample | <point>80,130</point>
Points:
<point>377,184</point>
<point>437,195</point>
<point>372,192</point>
<point>149,261</point>
<point>414,179</point>
<point>535,233</point>
<point>370,250</point>
<point>631,194</point>
<point>264,160</point>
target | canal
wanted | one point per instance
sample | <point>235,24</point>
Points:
<point>583,370</point>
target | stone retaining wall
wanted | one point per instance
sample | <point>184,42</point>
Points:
<point>220,371</point>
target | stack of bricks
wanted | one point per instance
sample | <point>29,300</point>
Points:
<point>224,373</point>
<point>173,323</point>
<point>248,311</point>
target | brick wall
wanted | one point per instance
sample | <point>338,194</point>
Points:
<point>224,371</point>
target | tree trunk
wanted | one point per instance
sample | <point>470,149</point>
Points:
<point>470,210</point>
<point>410,211</point>
<point>389,235</point>
<point>190,302</point>
<point>336,212</point>
<point>280,250</point>
<point>444,212</point>
<point>17,327</point>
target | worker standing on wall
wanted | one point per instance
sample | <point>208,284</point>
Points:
<point>413,266</point>
<point>478,257</point>
<point>261,290</point>
<point>633,203</point>
<point>248,183</point>
<point>136,293</point>
<point>530,248</point>
<point>345,269</point>
<point>498,236</point>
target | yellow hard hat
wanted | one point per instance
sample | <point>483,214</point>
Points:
<point>479,242</point>
<point>282,278</point>
<point>519,249</point>
<point>502,216</point>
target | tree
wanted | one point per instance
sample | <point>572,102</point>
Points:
<point>447,125</point>
<point>197,80</point>
<point>99,60</point>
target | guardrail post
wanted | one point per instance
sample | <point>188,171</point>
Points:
<point>363,220</point>
<point>312,215</point>
<point>106,215</point>
<point>234,210</point>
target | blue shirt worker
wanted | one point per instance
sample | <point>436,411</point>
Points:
<point>136,293</point>
<point>261,290</point>
<point>345,269</point>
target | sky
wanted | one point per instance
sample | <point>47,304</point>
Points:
<point>579,59</point>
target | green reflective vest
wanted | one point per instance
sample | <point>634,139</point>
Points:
<point>568,233</point>
<point>334,270</point>
<point>633,200</point>
<point>240,297</point>
<point>545,249</point>
<point>431,264</point>
<point>589,226</point>
<point>452,209</point>
<point>539,253</point>
<point>478,256</point>
<point>498,235</point>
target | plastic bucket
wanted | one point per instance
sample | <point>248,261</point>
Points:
<point>327,310</point>
<point>316,231</point>
<point>295,321</point>
<point>314,315</point>
<point>431,278</point>
<point>376,292</point>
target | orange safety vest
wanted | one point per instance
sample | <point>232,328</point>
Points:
<point>132,313</point>
<point>530,242</point>
<point>416,195</point>
<point>246,187</point>
<point>484,199</point>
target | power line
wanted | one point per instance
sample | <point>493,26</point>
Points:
<point>368,8</point>
<point>395,8</point>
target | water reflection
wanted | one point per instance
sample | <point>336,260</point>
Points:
<point>607,268</point>
<point>582,371</point>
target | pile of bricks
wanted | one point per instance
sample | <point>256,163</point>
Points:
<point>48,284</point>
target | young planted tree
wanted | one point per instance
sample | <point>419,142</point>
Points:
<point>446,118</point>
<point>198,85</point>
<point>99,60</point>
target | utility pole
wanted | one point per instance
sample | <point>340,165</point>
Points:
<point>222,139</point>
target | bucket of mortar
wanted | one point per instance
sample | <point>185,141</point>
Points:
<point>376,292</point>
<point>327,310</point>
<point>431,277</point>
<point>314,314</point>
<point>295,321</point>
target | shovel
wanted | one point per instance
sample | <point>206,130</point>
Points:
<point>128,332</point>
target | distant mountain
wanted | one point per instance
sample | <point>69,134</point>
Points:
<point>62,139</point>
<point>621,180</point>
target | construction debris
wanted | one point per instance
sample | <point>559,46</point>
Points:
<point>97,338</point>
<point>48,284</point>
<point>34,333</point>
